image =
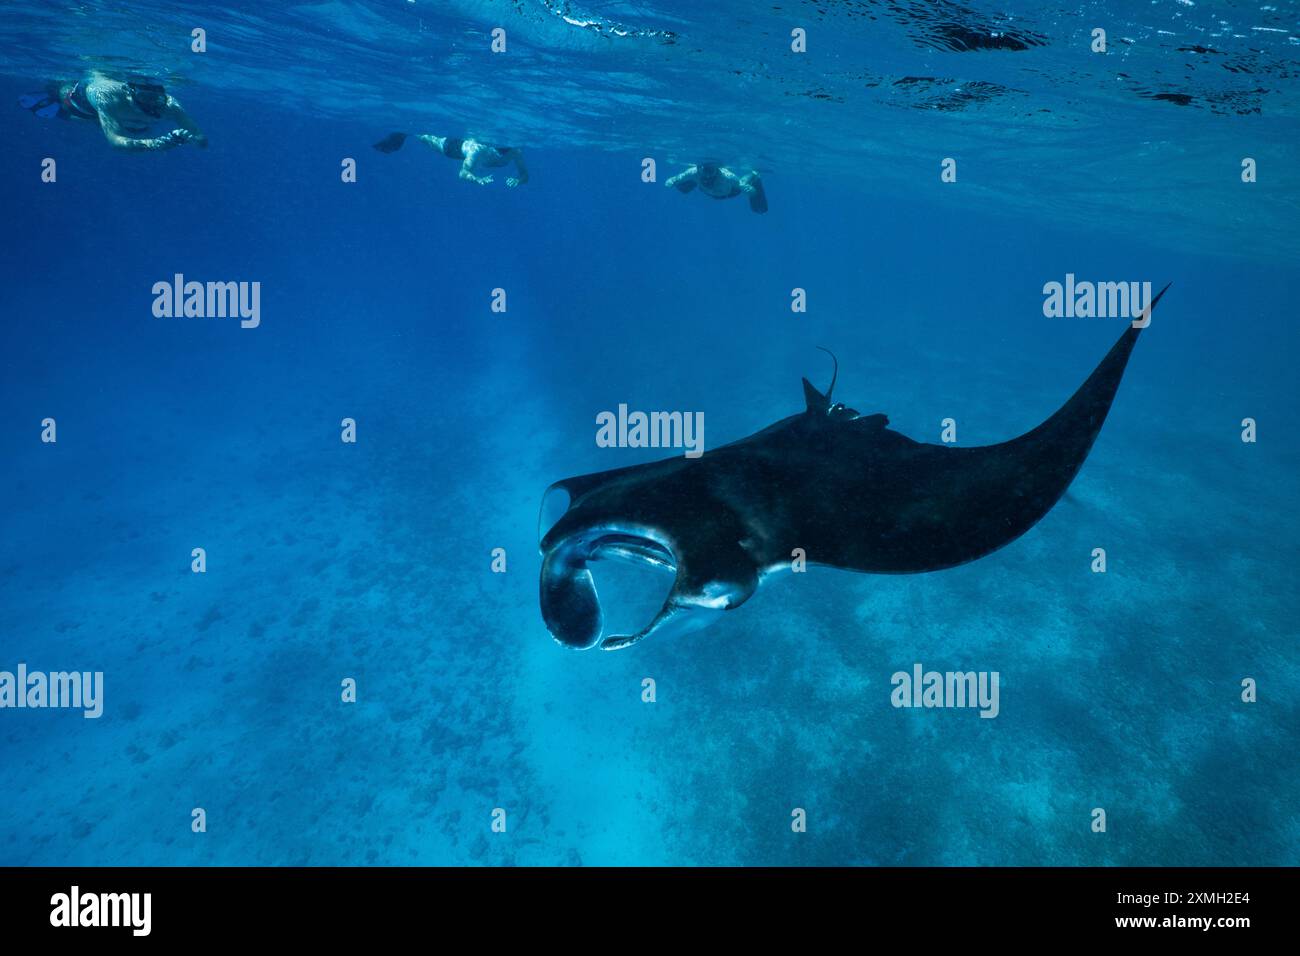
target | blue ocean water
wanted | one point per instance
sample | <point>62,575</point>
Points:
<point>373,560</point>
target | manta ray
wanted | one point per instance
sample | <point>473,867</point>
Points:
<point>842,489</point>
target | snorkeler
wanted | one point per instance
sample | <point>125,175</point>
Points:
<point>126,110</point>
<point>721,183</point>
<point>474,156</point>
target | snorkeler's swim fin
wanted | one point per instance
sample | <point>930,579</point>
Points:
<point>757,198</point>
<point>391,143</point>
<point>42,104</point>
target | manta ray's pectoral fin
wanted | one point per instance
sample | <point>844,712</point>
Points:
<point>673,618</point>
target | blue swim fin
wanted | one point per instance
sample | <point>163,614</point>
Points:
<point>391,143</point>
<point>42,104</point>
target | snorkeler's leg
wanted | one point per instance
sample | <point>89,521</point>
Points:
<point>433,142</point>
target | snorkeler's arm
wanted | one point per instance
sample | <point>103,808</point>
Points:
<point>466,173</point>
<point>683,181</point>
<point>106,97</point>
<point>183,121</point>
<point>137,144</point>
<point>467,167</point>
<point>521,171</point>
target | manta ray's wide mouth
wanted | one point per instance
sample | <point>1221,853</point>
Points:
<point>633,548</point>
<point>570,605</point>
